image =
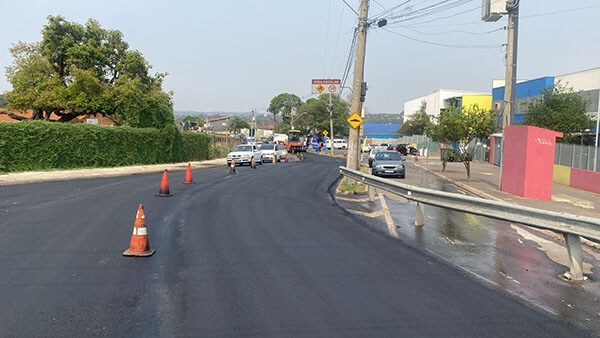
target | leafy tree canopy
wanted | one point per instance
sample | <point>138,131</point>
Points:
<point>283,104</point>
<point>237,123</point>
<point>561,109</point>
<point>416,123</point>
<point>461,125</point>
<point>3,101</point>
<point>84,69</point>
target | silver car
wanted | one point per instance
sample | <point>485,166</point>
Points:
<point>268,151</point>
<point>389,163</point>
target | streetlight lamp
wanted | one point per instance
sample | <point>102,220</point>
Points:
<point>581,148</point>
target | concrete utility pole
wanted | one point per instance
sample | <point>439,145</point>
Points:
<point>512,7</point>
<point>330,124</point>
<point>359,72</point>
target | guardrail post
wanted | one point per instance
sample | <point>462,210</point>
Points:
<point>575,256</point>
<point>370,188</point>
<point>420,214</point>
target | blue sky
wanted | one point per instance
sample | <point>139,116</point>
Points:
<point>237,55</point>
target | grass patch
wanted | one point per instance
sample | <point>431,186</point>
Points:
<point>351,187</point>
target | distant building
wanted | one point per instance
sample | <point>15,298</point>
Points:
<point>436,101</point>
<point>217,125</point>
<point>587,82</point>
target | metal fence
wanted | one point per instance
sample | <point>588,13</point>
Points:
<point>576,156</point>
<point>572,227</point>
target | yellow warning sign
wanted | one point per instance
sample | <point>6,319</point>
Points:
<point>325,132</point>
<point>354,120</point>
<point>320,88</point>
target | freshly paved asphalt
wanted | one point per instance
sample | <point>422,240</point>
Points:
<point>260,253</point>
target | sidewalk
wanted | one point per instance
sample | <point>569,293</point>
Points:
<point>74,174</point>
<point>484,183</point>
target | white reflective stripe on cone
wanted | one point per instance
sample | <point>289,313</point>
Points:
<point>140,231</point>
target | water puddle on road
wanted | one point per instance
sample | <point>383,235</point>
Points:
<point>518,260</point>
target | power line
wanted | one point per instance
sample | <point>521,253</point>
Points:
<point>521,17</point>
<point>391,9</point>
<point>327,38</point>
<point>558,12</point>
<point>337,41</point>
<point>382,6</point>
<point>442,44</point>
<point>453,31</point>
<point>355,12</point>
<point>349,61</point>
<point>436,10</point>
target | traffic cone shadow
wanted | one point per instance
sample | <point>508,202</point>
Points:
<point>188,175</point>
<point>164,191</point>
<point>139,246</point>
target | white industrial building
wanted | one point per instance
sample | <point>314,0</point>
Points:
<point>434,101</point>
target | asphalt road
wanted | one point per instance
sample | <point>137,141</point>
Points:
<point>260,253</point>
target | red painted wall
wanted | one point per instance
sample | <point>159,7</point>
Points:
<point>528,163</point>
<point>585,180</point>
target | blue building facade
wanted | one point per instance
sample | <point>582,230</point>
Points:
<point>381,130</point>
<point>524,92</point>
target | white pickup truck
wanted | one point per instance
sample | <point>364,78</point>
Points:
<point>244,153</point>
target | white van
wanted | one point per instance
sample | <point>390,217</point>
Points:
<point>340,144</point>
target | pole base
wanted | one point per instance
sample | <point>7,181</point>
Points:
<point>130,253</point>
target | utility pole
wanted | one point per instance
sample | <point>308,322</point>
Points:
<point>253,131</point>
<point>359,72</point>
<point>512,7</point>
<point>330,124</point>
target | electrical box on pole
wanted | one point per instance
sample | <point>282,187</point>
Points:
<point>492,10</point>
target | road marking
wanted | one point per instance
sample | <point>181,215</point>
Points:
<point>367,214</point>
<point>388,217</point>
<point>365,199</point>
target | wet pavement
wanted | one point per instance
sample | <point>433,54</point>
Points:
<point>520,261</point>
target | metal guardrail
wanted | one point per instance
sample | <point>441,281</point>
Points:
<point>571,226</point>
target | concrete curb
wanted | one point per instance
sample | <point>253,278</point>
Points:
<point>463,186</point>
<point>78,174</point>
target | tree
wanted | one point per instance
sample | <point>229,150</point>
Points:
<point>84,69</point>
<point>193,120</point>
<point>283,104</point>
<point>237,123</point>
<point>461,125</point>
<point>561,109</point>
<point>3,101</point>
<point>416,123</point>
<point>313,115</point>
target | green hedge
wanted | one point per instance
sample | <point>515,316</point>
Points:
<point>42,145</point>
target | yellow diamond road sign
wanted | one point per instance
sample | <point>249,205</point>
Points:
<point>325,132</point>
<point>355,120</point>
<point>320,88</point>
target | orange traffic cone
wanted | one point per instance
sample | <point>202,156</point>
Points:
<point>286,158</point>
<point>139,245</point>
<point>164,186</point>
<point>274,158</point>
<point>232,168</point>
<point>188,175</point>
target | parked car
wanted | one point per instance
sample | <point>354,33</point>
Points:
<point>391,147</point>
<point>243,154</point>
<point>372,154</point>
<point>340,144</point>
<point>389,163</point>
<point>401,148</point>
<point>328,143</point>
<point>268,151</point>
